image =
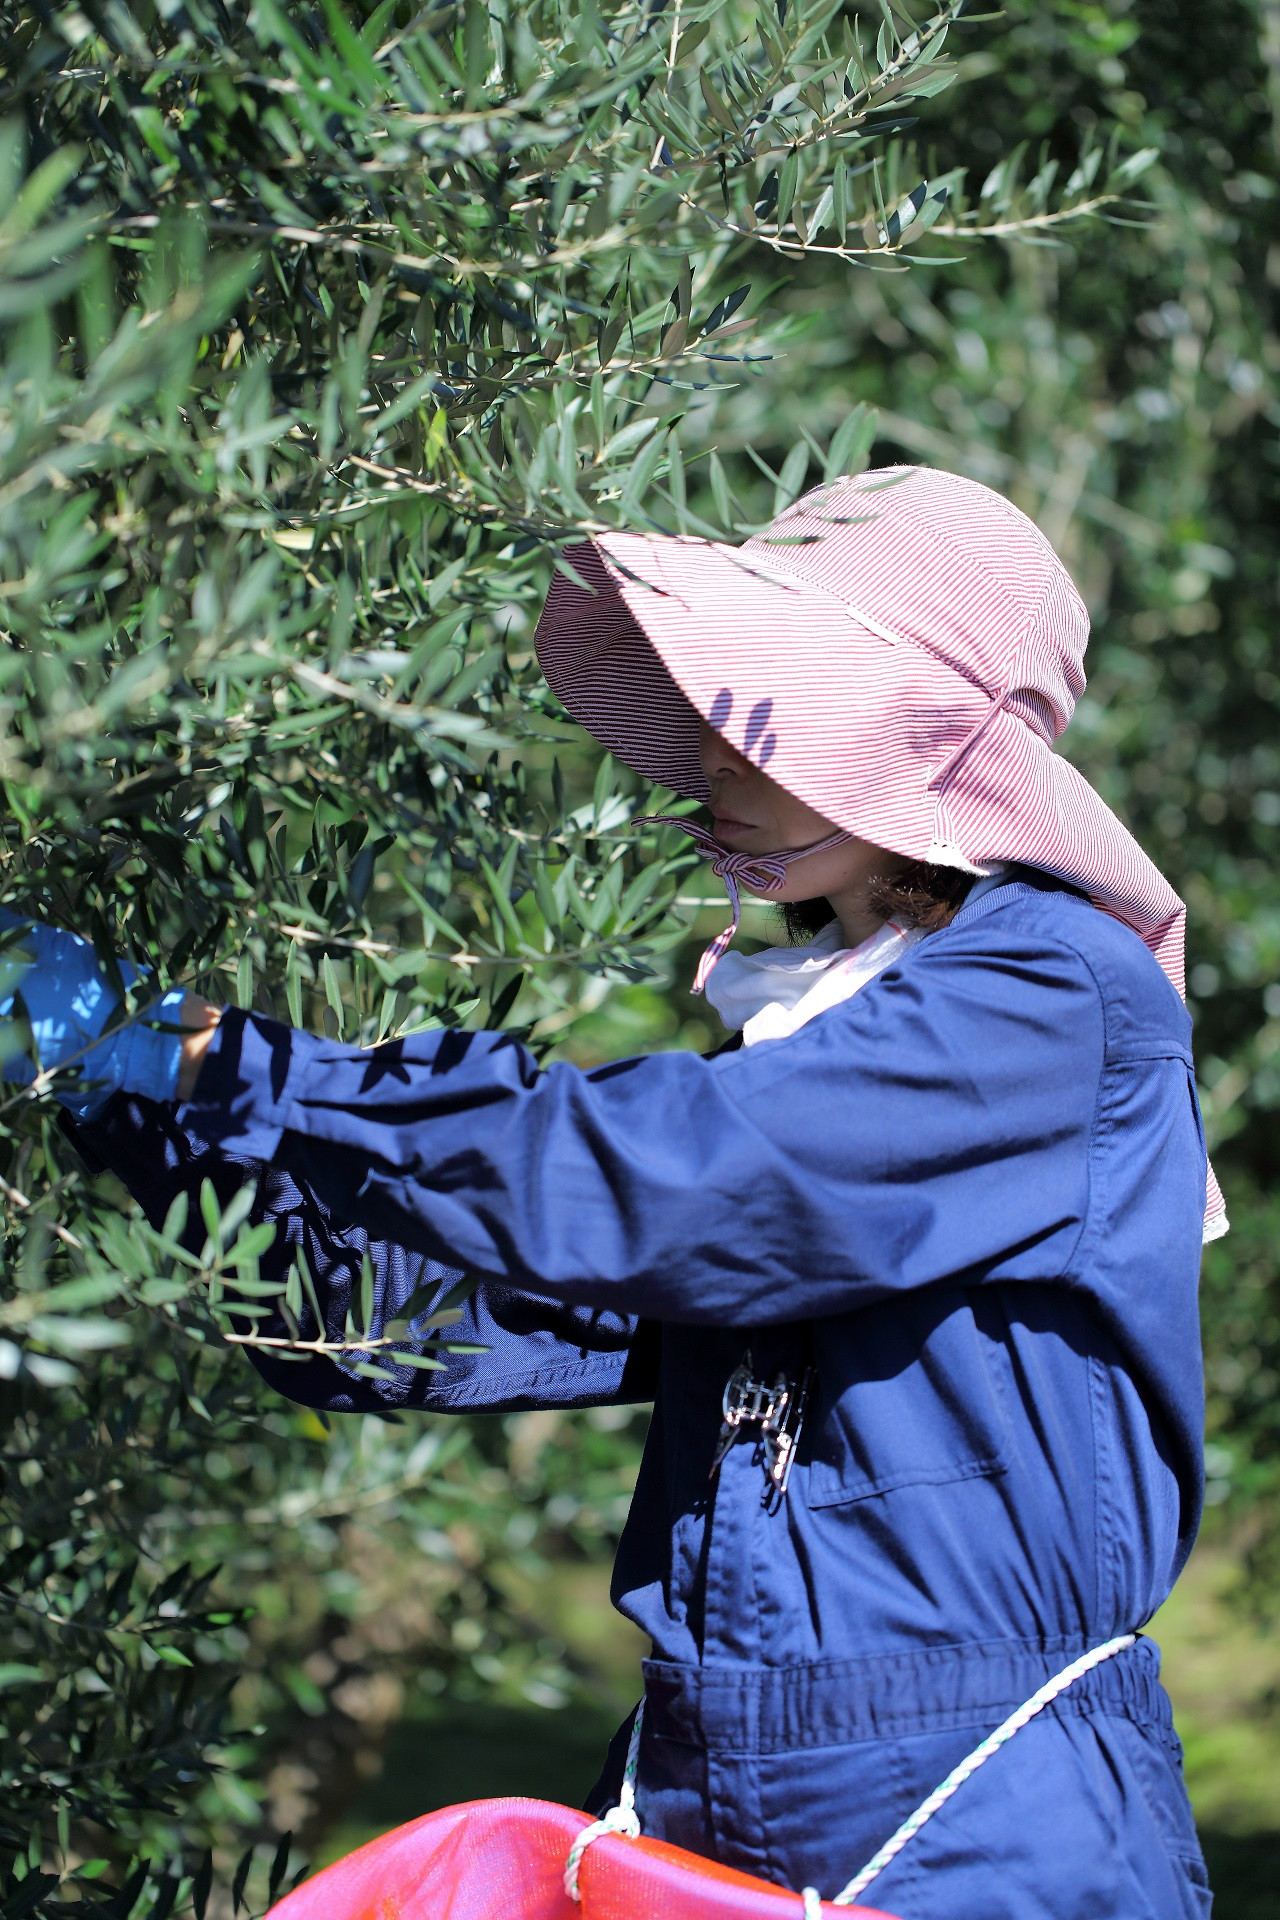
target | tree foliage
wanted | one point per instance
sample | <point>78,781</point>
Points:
<point>322,330</point>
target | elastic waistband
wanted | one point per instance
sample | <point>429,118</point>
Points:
<point>738,1709</point>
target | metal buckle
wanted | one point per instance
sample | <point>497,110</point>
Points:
<point>777,1410</point>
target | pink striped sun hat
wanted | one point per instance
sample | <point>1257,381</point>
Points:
<point>900,650</point>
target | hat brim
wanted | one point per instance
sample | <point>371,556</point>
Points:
<point>658,633</point>
<point>664,632</point>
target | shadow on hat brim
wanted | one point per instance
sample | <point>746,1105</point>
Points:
<point>655,634</point>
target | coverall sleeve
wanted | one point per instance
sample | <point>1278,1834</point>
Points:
<point>532,1353</point>
<point>935,1127</point>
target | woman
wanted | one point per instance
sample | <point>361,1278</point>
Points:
<point>909,1273</point>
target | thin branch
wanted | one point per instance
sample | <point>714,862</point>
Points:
<point>323,1349</point>
<point>1028,223</point>
<point>30,1302</point>
<point>894,250</point>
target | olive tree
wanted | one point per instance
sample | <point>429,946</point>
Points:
<point>323,330</point>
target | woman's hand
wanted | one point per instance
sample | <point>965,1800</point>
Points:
<point>56,993</point>
<point>200,1017</point>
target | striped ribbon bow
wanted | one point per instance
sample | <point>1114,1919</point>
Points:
<point>759,872</point>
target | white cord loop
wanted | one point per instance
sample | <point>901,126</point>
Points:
<point>622,1819</point>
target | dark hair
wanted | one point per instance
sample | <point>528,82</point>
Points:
<point>918,894</point>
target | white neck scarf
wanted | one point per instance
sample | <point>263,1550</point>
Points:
<point>772,994</point>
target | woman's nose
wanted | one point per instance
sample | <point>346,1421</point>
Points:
<point>717,756</point>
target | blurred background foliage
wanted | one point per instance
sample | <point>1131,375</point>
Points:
<point>322,328</point>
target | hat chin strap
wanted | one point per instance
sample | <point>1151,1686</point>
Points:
<point>759,872</point>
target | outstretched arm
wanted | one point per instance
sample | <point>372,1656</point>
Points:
<point>938,1126</point>
<point>60,1017</point>
<point>532,1353</point>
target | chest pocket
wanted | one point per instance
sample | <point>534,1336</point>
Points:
<point>906,1398</point>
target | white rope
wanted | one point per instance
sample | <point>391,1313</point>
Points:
<point>957,1777</point>
<point>622,1819</point>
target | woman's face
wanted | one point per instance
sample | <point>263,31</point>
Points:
<point>750,813</point>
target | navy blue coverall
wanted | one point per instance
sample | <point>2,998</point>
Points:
<point>972,1197</point>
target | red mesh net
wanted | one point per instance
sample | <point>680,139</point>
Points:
<point>505,1859</point>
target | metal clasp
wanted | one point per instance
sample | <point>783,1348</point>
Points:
<point>776,1410</point>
